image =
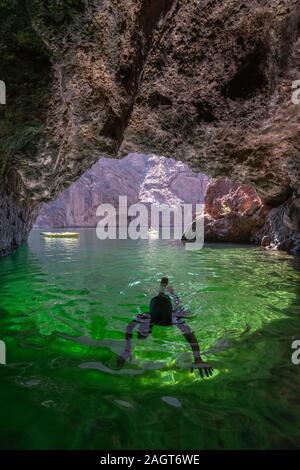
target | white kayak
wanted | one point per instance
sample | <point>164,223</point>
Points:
<point>60,234</point>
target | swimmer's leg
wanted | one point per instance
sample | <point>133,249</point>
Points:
<point>191,339</point>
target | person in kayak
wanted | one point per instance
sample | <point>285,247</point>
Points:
<point>165,310</point>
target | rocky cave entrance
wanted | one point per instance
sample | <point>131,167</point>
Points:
<point>233,212</point>
<point>142,178</point>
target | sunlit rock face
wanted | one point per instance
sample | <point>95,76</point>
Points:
<point>207,83</point>
<point>233,213</point>
<point>236,213</point>
<point>147,179</point>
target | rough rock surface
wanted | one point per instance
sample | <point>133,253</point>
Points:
<point>281,230</point>
<point>233,213</point>
<point>147,179</point>
<point>17,214</point>
<point>208,83</point>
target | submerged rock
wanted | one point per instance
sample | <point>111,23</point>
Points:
<point>172,401</point>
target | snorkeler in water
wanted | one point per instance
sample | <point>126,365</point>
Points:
<point>165,310</point>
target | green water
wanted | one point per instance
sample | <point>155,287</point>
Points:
<point>64,306</point>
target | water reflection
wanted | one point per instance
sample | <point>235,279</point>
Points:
<point>64,310</point>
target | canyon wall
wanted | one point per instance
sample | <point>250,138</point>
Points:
<point>142,178</point>
<point>206,82</point>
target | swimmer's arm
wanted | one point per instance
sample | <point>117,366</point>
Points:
<point>174,296</point>
<point>192,340</point>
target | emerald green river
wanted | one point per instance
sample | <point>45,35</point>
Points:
<point>64,307</point>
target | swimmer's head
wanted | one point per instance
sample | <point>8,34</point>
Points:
<point>163,285</point>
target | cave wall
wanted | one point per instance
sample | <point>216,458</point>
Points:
<point>281,230</point>
<point>207,82</point>
<point>17,214</point>
<point>217,93</point>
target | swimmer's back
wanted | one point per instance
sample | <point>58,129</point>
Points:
<point>161,310</point>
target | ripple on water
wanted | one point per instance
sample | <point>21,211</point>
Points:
<point>64,308</point>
